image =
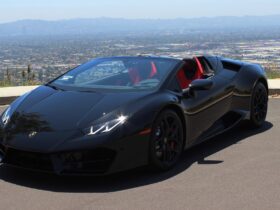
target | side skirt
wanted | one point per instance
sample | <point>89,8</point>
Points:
<point>227,122</point>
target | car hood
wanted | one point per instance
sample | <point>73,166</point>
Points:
<point>47,109</point>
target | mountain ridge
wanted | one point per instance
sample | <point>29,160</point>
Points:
<point>105,25</point>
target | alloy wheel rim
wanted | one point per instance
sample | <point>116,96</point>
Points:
<point>260,105</point>
<point>167,140</point>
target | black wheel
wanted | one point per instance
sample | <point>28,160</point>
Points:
<point>166,143</point>
<point>259,103</point>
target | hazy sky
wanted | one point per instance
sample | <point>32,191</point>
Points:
<point>11,10</point>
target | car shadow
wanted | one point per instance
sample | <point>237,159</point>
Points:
<point>133,178</point>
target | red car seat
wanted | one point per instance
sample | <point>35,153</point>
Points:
<point>192,70</point>
<point>146,71</point>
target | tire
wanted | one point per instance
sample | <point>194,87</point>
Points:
<point>259,104</point>
<point>166,141</point>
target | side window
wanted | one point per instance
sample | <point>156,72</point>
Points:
<point>208,69</point>
<point>174,85</point>
<point>215,63</point>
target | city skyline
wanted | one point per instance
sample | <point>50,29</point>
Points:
<point>14,10</point>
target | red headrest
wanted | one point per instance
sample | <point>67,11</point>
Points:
<point>135,76</point>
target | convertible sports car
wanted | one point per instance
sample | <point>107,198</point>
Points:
<point>114,114</point>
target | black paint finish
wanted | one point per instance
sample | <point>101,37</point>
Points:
<point>46,130</point>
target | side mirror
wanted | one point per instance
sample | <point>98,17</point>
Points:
<point>196,85</point>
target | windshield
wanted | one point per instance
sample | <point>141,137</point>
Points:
<point>127,73</point>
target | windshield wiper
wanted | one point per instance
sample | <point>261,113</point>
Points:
<point>54,87</point>
<point>146,85</point>
<point>143,87</point>
<point>87,91</point>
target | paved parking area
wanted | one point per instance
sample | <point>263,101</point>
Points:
<point>237,170</point>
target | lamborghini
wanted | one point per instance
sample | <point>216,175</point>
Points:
<point>118,113</point>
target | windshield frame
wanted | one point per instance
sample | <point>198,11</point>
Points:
<point>54,85</point>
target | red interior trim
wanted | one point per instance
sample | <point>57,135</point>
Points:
<point>154,70</point>
<point>183,80</point>
<point>200,69</point>
<point>134,75</point>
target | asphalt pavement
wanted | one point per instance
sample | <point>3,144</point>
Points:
<point>236,170</point>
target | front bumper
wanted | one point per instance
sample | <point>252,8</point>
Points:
<point>95,161</point>
<point>103,159</point>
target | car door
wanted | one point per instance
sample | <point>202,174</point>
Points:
<point>205,107</point>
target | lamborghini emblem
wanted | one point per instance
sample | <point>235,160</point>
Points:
<point>32,134</point>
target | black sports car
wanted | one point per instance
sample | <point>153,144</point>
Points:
<point>114,114</point>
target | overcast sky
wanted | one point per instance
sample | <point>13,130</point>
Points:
<point>11,10</point>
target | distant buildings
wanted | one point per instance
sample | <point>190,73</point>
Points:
<point>50,58</point>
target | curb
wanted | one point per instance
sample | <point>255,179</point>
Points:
<point>8,100</point>
<point>274,92</point>
<point>9,94</point>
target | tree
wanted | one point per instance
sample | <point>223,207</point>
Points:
<point>40,75</point>
<point>23,74</point>
<point>8,75</point>
<point>29,69</point>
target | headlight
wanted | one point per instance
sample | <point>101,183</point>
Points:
<point>6,116</point>
<point>106,127</point>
